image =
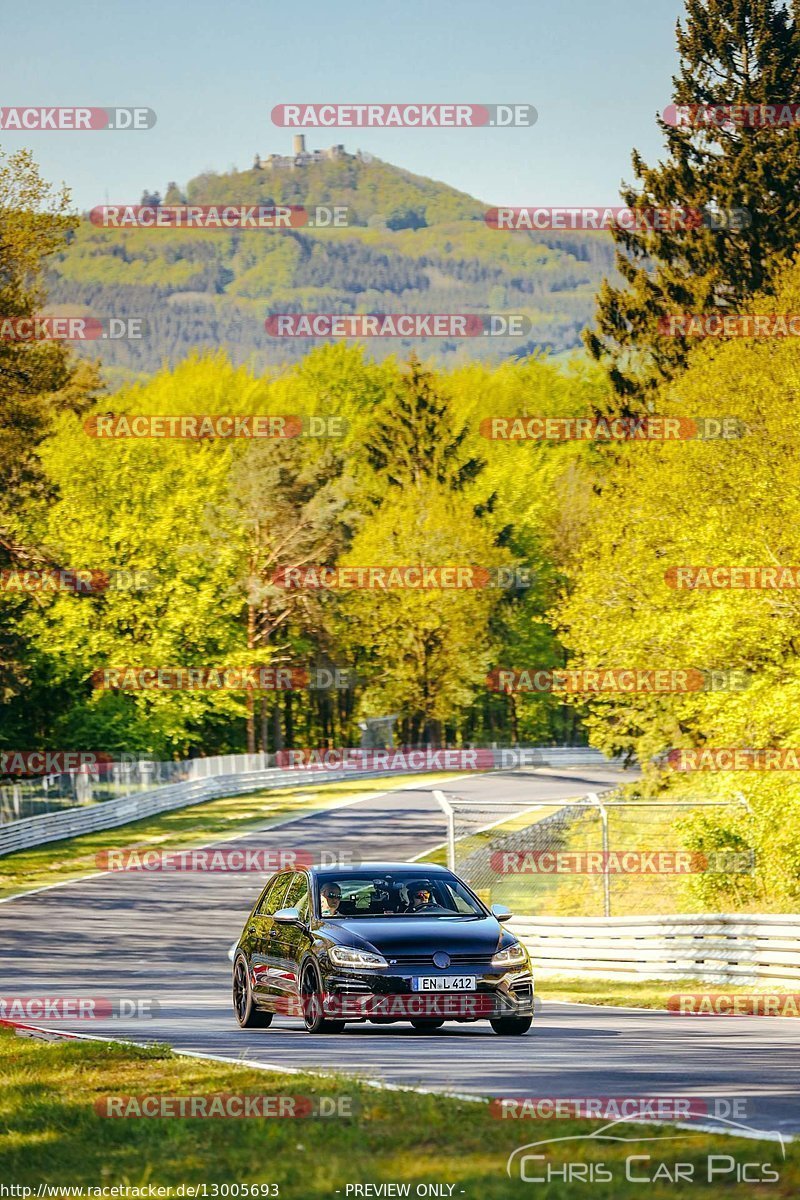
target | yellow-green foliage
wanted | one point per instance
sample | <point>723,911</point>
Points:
<point>715,502</point>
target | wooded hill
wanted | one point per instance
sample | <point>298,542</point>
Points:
<point>411,245</point>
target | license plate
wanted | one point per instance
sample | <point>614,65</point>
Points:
<point>444,983</point>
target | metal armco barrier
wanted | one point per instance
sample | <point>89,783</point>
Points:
<point>238,778</point>
<point>71,822</point>
<point>718,948</point>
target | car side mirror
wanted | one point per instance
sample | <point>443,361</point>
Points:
<point>287,916</point>
<point>502,912</point>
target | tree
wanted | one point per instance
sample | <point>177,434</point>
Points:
<point>406,218</point>
<point>706,502</point>
<point>417,436</point>
<point>428,650</point>
<point>152,509</point>
<point>538,491</point>
<point>732,52</point>
<point>208,522</point>
<point>291,503</point>
<point>173,194</point>
<point>38,380</point>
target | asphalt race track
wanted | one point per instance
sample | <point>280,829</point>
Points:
<point>166,937</point>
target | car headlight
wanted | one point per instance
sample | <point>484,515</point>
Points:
<point>348,956</point>
<point>512,956</point>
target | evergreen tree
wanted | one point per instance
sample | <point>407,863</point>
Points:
<point>417,438</point>
<point>732,52</point>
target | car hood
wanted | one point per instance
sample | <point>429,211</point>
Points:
<point>419,935</point>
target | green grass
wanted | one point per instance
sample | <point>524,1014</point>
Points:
<point>215,820</point>
<point>50,1132</point>
<point>640,994</point>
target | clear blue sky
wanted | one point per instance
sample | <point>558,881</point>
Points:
<point>596,72</point>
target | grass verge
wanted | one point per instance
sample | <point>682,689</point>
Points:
<point>51,1133</point>
<point>646,993</point>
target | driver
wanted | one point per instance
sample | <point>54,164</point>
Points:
<point>420,896</point>
<point>331,898</point>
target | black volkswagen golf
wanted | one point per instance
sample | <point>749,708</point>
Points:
<point>382,942</point>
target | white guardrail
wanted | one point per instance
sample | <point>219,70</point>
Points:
<point>108,814</point>
<point>717,948</point>
<point>235,779</point>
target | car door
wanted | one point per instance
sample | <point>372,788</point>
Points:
<point>288,944</point>
<point>261,933</point>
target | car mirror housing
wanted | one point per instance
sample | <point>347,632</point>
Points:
<point>501,912</point>
<point>287,916</point>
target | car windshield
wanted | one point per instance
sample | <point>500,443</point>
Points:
<point>395,894</point>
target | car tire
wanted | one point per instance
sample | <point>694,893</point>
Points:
<point>313,1014</point>
<point>248,1016</point>
<point>511,1026</point>
<point>426,1025</point>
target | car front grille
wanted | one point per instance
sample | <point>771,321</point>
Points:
<point>426,960</point>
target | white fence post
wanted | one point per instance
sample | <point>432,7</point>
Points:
<point>593,798</point>
<point>449,812</point>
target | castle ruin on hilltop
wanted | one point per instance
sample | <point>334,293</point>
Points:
<point>300,157</point>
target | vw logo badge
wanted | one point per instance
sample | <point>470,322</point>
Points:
<point>441,960</point>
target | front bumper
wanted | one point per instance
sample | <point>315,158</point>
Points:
<point>389,995</point>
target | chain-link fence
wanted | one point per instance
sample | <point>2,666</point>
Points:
<point>96,780</point>
<point>590,856</point>
<point>87,784</point>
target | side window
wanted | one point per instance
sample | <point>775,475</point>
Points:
<point>263,899</point>
<point>272,899</point>
<point>297,895</point>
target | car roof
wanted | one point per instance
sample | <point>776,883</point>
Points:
<point>423,868</point>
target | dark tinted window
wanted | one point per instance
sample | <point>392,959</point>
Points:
<point>273,898</point>
<point>297,895</point>
<point>264,897</point>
